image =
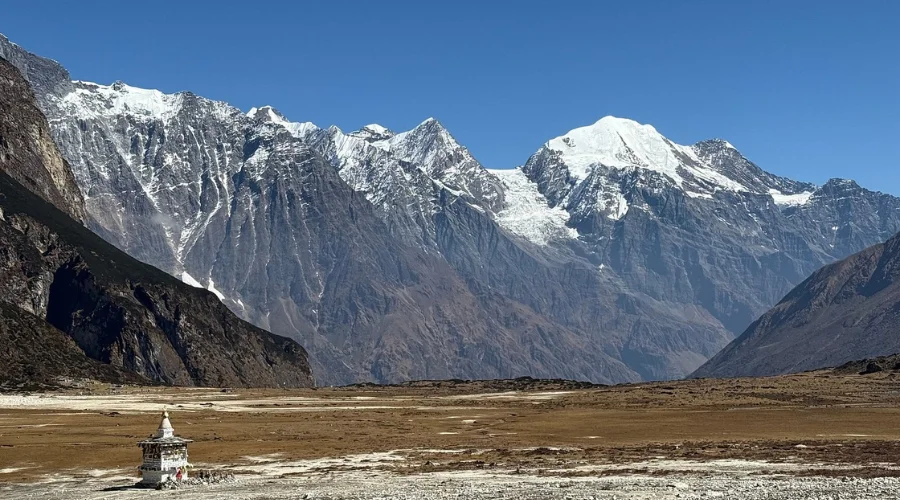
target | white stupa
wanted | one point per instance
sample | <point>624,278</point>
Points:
<point>165,455</point>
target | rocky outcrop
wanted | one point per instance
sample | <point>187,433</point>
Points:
<point>72,303</point>
<point>845,311</point>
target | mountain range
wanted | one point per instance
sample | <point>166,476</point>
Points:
<point>612,254</point>
<point>72,306</point>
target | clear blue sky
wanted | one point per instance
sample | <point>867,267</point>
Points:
<point>808,89</point>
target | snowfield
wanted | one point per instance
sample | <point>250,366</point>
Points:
<point>527,212</point>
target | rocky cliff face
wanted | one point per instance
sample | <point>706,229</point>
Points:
<point>27,145</point>
<point>843,312</point>
<point>62,283</point>
<point>36,355</point>
<point>613,254</point>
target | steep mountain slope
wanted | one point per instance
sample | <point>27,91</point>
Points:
<point>613,254</point>
<point>59,282</point>
<point>26,142</point>
<point>701,224</point>
<point>843,312</point>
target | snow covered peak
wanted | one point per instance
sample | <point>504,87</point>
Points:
<point>717,144</point>
<point>615,142</point>
<point>430,147</point>
<point>420,142</point>
<point>268,114</point>
<point>374,132</point>
<point>846,183</point>
<point>434,127</point>
<point>90,100</point>
<point>621,143</point>
<point>596,156</point>
<point>376,129</point>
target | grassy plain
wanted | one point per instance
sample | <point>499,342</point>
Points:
<point>819,417</point>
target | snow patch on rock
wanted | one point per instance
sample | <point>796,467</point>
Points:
<point>212,288</point>
<point>187,278</point>
<point>792,200</point>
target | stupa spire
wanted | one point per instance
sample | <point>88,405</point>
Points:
<point>165,426</point>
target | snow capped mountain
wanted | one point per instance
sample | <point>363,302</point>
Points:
<point>605,170</point>
<point>700,171</point>
<point>74,305</point>
<point>401,192</point>
<point>406,176</point>
<point>90,100</point>
<point>136,151</point>
<point>309,232</point>
<point>612,254</point>
<point>626,144</point>
<point>681,221</point>
<point>403,172</point>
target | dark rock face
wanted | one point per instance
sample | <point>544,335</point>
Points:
<point>59,282</point>
<point>845,311</point>
<point>37,355</point>
<point>869,366</point>
<point>730,162</point>
<point>127,314</point>
<point>27,151</point>
<point>611,256</point>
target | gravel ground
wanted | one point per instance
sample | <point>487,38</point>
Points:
<point>682,483</point>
